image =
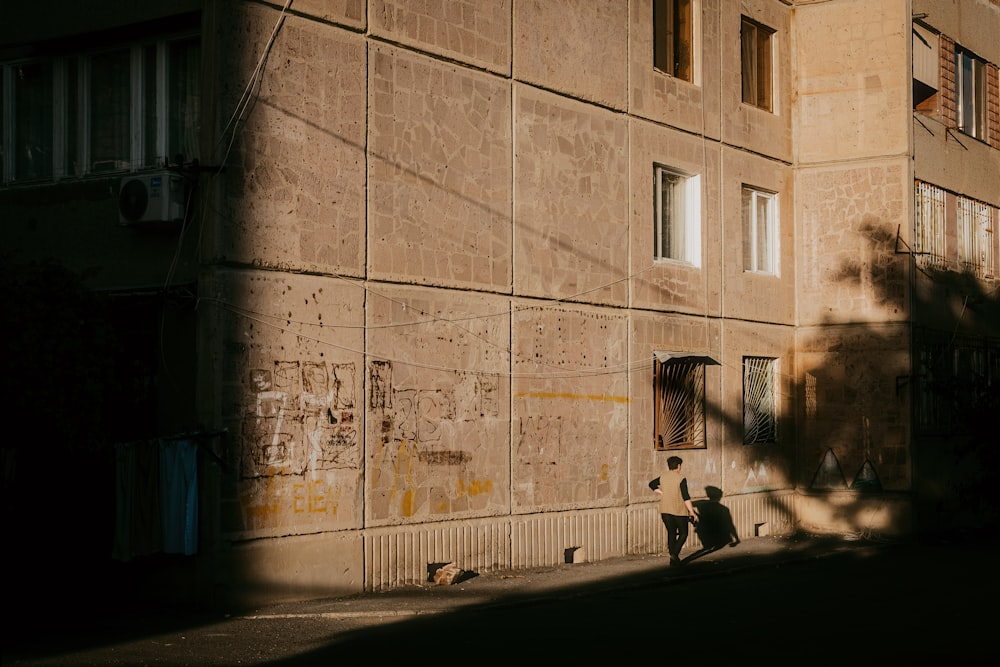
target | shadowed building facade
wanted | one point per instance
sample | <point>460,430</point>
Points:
<point>417,283</point>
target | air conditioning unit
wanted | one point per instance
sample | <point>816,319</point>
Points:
<point>151,198</point>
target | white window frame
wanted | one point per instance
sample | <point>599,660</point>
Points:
<point>61,150</point>
<point>970,93</point>
<point>677,223</point>
<point>760,237</point>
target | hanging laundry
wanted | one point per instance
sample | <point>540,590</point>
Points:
<point>179,496</point>
<point>138,527</point>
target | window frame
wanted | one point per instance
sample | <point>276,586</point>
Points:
<point>70,130</point>
<point>756,59</point>
<point>971,113</point>
<point>679,400</point>
<point>679,238</point>
<point>758,258</point>
<point>760,400</point>
<point>975,221</point>
<point>674,38</point>
<point>930,223</point>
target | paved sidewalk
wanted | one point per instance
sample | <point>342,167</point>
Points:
<point>567,580</point>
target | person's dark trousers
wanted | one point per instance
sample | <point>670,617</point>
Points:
<point>677,534</point>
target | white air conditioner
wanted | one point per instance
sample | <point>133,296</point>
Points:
<point>151,198</point>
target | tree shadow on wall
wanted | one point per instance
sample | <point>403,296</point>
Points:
<point>933,416</point>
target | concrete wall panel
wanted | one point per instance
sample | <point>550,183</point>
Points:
<point>749,295</point>
<point>765,132</point>
<point>853,91</point>
<point>570,204</point>
<point>570,408</point>
<point>853,405</point>
<point>666,284</point>
<point>579,47</point>
<point>438,398</point>
<point>293,568</point>
<point>439,173</point>
<point>848,266</point>
<point>765,466</point>
<point>470,31</point>
<point>290,388</point>
<point>294,186</point>
<point>345,12</point>
<point>692,106</point>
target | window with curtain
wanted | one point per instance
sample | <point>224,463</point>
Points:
<point>110,95</point>
<point>116,110</point>
<point>760,231</point>
<point>32,86</point>
<point>676,216</point>
<point>756,63</point>
<point>673,38</point>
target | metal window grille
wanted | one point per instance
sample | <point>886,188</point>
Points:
<point>680,404</point>
<point>975,244</point>
<point>760,423</point>
<point>929,222</point>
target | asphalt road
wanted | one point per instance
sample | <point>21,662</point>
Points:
<point>898,605</point>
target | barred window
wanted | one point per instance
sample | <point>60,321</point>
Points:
<point>760,421</point>
<point>679,399</point>
<point>975,237</point>
<point>929,222</point>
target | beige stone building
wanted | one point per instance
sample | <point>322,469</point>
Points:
<point>396,283</point>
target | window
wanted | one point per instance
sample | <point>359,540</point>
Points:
<point>925,50</point>
<point>755,55</point>
<point>760,231</point>
<point>673,38</point>
<point>677,210</point>
<point>760,423</point>
<point>929,222</point>
<point>126,108</point>
<point>975,237</point>
<point>970,84</point>
<point>31,87</point>
<point>957,380</point>
<point>679,397</point>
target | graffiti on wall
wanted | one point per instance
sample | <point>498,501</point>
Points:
<point>423,456</point>
<point>301,418</point>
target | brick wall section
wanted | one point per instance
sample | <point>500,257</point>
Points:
<point>948,107</point>
<point>993,105</point>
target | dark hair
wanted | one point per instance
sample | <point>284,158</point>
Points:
<point>674,462</point>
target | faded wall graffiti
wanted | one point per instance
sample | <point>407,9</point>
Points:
<point>431,451</point>
<point>300,418</point>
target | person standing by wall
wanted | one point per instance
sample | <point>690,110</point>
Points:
<point>676,508</point>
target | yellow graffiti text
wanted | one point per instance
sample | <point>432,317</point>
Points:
<point>573,397</point>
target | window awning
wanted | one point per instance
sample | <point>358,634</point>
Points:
<point>690,357</point>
